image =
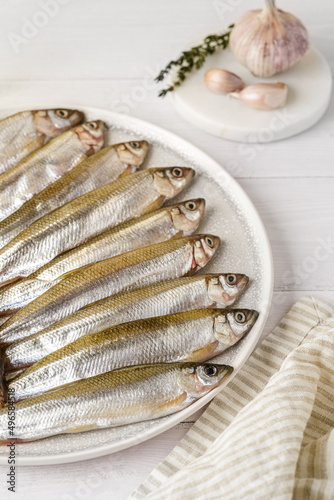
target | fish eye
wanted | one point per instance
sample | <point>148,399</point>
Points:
<point>177,172</point>
<point>210,370</point>
<point>209,241</point>
<point>92,125</point>
<point>190,205</point>
<point>240,317</point>
<point>63,113</point>
<point>231,279</point>
<point>135,144</point>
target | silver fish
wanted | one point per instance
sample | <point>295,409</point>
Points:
<point>160,299</point>
<point>161,225</point>
<point>97,170</point>
<point>89,215</point>
<point>144,266</point>
<point>47,164</point>
<point>115,398</point>
<point>24,132</point>
<point>193,336</point>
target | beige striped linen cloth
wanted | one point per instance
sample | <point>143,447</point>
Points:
<point>269,434</point>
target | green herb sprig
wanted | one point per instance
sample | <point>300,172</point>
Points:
<point>193,58</point>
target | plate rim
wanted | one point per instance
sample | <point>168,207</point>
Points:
<point>176,418</point>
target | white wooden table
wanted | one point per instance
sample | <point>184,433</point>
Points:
<point>105,54</point>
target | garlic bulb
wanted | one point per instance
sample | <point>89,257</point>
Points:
<point>268,41</point>
<point>222,81</point>
<point>263,95</point>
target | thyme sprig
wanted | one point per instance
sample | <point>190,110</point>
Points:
<point>193,58</point>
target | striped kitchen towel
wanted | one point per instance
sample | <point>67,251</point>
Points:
<point>269,435</point>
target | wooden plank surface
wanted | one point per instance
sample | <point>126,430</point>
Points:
<point>106,54</point>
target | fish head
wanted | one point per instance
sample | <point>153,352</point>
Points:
<point>170,181</point>
<point>224,289</point>
<point>132,153</point>
<point>92,135</point>
<point>187,215</point>
<point>199,379</point>
<point>52,122</point>
<point>204,248</point>
<point>230,326</point>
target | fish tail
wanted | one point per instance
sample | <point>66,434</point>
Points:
<point>3,383</point>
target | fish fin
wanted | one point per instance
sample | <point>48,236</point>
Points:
<point>3,383</point>
<point>13,371</point>
<point>7,313</point>
<point>179,234</point>
<point>65,275</point>
<point>155,205</point>
<point>204,353</point>
<point>36,143</point>
<point>82,428</point>
<point>191,272</point>
<point>172,405</point>
<point>16,440</point>
<point>88,153</point>
<point>129,170</point>
<point>70,273</point>
<point>10,282</point>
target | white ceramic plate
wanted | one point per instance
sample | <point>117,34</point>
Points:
<point>309,92</point>
<point>245,248</point>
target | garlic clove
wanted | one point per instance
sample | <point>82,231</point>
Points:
<point>222,81</point>
<point>268,41</point>
<point>263,95</point>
